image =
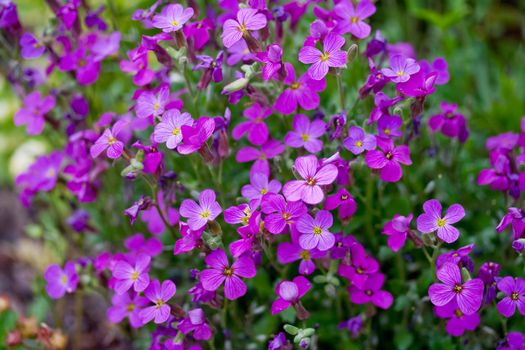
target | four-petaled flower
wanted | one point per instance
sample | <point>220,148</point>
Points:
<point>61,281</point>
<point>331,56</point>
<point>306,134</point>
<point>401,68</point>
<point>387,159</point>
<point>159,295</point>
<point>357,141</point>
<point>110,142</point>
<point>172,18</point>
<point>289,293</point>
<point>315,232</point>
<point>135,275</point>
<point>247,20</point>
<point>514,288</point>
<point>199,214</point>
<point>432,220</point>
<point>169,129</point>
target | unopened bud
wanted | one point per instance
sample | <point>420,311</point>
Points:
<point>352,53</point>
<point>465,274</point>
<point>236,85</point>
<point>292,330</point>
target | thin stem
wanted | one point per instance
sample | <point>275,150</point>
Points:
<point>342,102</point>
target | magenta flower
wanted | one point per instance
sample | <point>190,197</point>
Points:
<point>137,244</point>
<point>309,189</point>
<point>280,213</point>
<point>172,18</point>
<point>169,129</point>
<point>306,134</point>
<point>30,47</point>
<point>389,126</point>
<point>138,65</point>
<point>397,231</point>
<point>109,141</point>
<point>135,276</point>
<point>199,214</point>
<point>61,281</point>
<point>401,68</point>
<point>515,218</point>
<point>255,127</point>
<point>33,112</point>
<point>387,159</point>
<point>302,92</point>
<point>371,292</point>
<point>357,141</point>
<point>331,56</point>
<point>124,305</point>
<point>419,85</point>
<point>195,322</point>
<point>159,295</point>
<point>290,293</point>
<point>194,137</point>
<point>221,272</point>
<point>189,241</point>
<point>258,187</point>
<point>248,19</point>
<point>272,61</point>
<point>288,252</point>
<point>151,104</point>
<point>248,235</point>
<point>271,149</point>
<point>315,232</point>
<point>457,322</point>
<point>343,200</point>
<point>239,214</point>
<point>514,289</point>
<point>361,266</point>
<point>449,122</point>
<point>432,220</point>
<point>353,17</point>
<point>468,295</point>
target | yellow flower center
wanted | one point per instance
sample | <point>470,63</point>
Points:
<point>354,19</point>
<point>242,28</point>
<point>296,85</point>
<point>63,279</point>
<point>325,56</point>
<point>205,214</point>
<point>176,131</point>
<point>286,216</point>
<point>317,230</point>
<point>130,307</point>
<point>515,296</point>
<point>111,140</point>
<point>441,222</point>
<point>400,73</point>
<point>311,181</point>
<point>387,131</point>
<point>264,191</point>
<point>156,106</point>
<point>305,255</point>
<point>457,288</point>
<point>305,137</point>
<point>159,303</point>
<point>174,23</point>
<point>228,272</point>
<point>359,270</point>
<point>134,276</point>
<point>458,313</point>
<point>359,143</point>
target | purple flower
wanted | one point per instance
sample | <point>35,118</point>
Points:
<point>259,186</point>
<point>247,20</point>
<point>238,214</point>
<point>169,129</point>
<point>457,322</point>
<point>172,18</point>
<point>343,200</point>
<point>199,214</point>
<point>315,232</point>
<point>371,292</point>
<point>280,213</point>
<point>289,293</point>
<point>468,295</point>
<point>309,189</point>
<point>272,61</point>
<point>389,126</point>
<point>212,69</point>
<point>153,219</point>
<point>138,65</point>
<point>110,142</point>
<point>514,289</point>
<point>269,150</point>
<point>361,265</point>
<point>513,341</point>
<point>33,111</point>
<point>59,281</point>
<point>331,56</point>
<point>439,66</point>
<point>387,159</point>
<point>354,325</point>
<point>303,92</point>
<point>288,252</point>
<point>419,85</point>
<point>255,127</point>
<point>151,104</point>
<point>221,272</point>
<point>196,323</point>
<point>353,17</point>
<point>194,137</point>
<point>278,342</point>
<point>397,231</point>
<point>401,68</point>
<point>248,235</point>
<point>432,220</point>
<point>450,124</point>
<point>124,305</point>
<point>30,46</point>
<point>135,276</point>
<point>137,245</point>
<point>357,141</point>
<point>159,295</point>
<point>306,134</point>
<point>516,219</point>
<point>459,257</point>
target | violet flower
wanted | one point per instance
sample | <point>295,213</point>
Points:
<point>32,113</point>
<point>289,252</point>
<point>389,126</point>
<point>432,221</point>
<point>169,129</point>
<point>306,134</point>
<point>357,141</point>
<point>259,186</point>
<point>61,281</point>
<point>361,266</point>
<point>331,56</point>
<point>221,272</point>
<point>195,322</point>
<point>199,214</point>
<point>194,137</point>
<point>135,275</point>
<point>30,47</point>
<point>353,17</point>
<point>247,20</point>
<point>458,322</point>
<point>371,292</point>
<point>343,200</point>
<point>397,231</point>
<point>109,141</point>
<point>280,213</point>
<point>388,159</point>
<point>255,127</point>
<point>315,232</point>
<point>138,65</point>
<point>152,104</point>
<point>290,293</point>
<point>271,149</point>
<point>450,123</point>
<point>516,219</point>
<point>126,305</point>
<point>159,295</point>
<point>190,240</point>
<point>271,60</point>
<point>401,68</point>
<point>172,18</point>
<point>514,289</point>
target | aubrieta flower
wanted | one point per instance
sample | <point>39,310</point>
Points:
<point>309,189</point>
<point>459,257</point>
<point>137,244</point>
<point>280,213</point>
<point>516,219</point>
<point>247,20</point>
<point>110,142</point>
<point>239,214</point>
<point>389,126</point>
<point>450,123</point>
<point>169,129</point>
<point>152,104</point>
<point>361,266</point>
<point>458,322</point>
<point>513,341</point>
<point>343,200</point>
<point>135,275</point>
<point>354,325</point>
<point>401,68</point>
<point>419,85</point>
<point>397,231</point>
<point>199,214</point>
<point>212,69</point>
<point>278,342</point>
<point>432,221</point>
<point>259,186</point>
<point>30,47</point>
<point>271,149</point>
<point>172,18</point>
<point>514,289</point>
<point>61,281</point>
<point>388,159</point>
<point>272,61</point>
<point>302,92</point>
<point>138,65</point>
<point>221,272</point>
<point>195,136</point>
<point>468,295</point>
<point>126,305</point>
<point>357,141</point>
<point>289,252</point>
<point>289,294</point>
<point>195,322</point>
<point>371,292</point>
<point>32,113</point>
<point>353,17</point>
<point>306,134</point>
<point>255,127</point>
<point>331,56</point>
<point>248,235</point>
<point>159,295</point>
<point>315,232</point>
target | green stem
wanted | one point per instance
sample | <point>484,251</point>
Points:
<point>340,88</point>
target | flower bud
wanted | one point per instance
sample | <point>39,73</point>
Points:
<point>236,85</point>
<point>292,330</point>
<point>465,275</point>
